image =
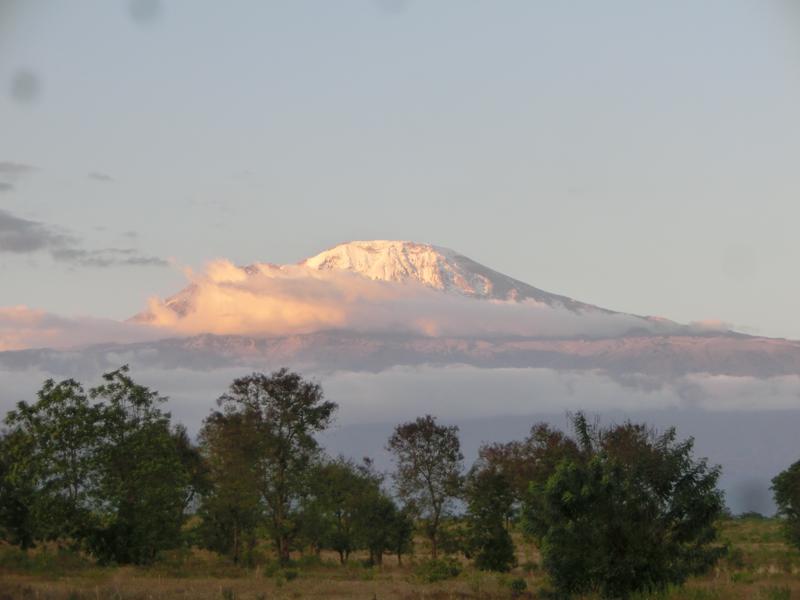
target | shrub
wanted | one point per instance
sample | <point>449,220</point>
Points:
<point>786,488</point>
<point>517,587</point>
<point>438,569</point>
<point>633,512</point>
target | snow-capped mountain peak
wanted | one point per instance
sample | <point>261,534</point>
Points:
<point>433,266</point>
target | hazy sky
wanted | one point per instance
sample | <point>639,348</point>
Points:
<point>637,155</point>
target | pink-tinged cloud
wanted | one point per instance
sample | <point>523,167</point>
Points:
<point>22,327</point>
<point>279,300</point>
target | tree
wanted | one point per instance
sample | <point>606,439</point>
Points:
<point>231,508</point>
<point>340,496</point>
<point>286,411</point>
<point>55,440</point>
<point>786,490</point>
<point>489,499</point>
<point>102,470</point>
<point>633,512</point>
<point>142,482</point>
<point>401,533</point>
<point>18,493</point>
<point>428,470</point>
<point>533,459</point>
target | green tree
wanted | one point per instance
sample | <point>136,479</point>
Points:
<point>230,508</point>
<point>401,533</point>
<point>142,481</point>
<point>18,493</point>
<point>786,490</point>
<point>286,411</point>
<point>533,459</point>
<point>340,494</point>
<point>428,470</point>
<point>634,512</point>
<point>55,443</point>
<point>489,499</point>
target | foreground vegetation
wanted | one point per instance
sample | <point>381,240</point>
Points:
<point>759,565</point>
<point>101,494</point>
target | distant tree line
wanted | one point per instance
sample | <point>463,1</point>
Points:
<point>613,510</point>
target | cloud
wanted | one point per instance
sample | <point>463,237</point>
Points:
<point>100,177</point>
<point>18,235</point>
<point>267,299</point>
<point>22,328</point>
<point>107,257</point>
<point>712,326</point>
<point>6,187</point>
<point>13,169</point>
<point>22,236</point>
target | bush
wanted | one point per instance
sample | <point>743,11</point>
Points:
<point>517,587</point>
<point>290,574</point>
<point>634,512</point>
<point>786,488</point>
<point>438,569</point>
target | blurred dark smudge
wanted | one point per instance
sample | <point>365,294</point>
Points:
<point>752,496</point>
<point>392,7</point>
<point>144,12</point>
<point>25,86</point>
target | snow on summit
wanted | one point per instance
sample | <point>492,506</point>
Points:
<point>436,267</point>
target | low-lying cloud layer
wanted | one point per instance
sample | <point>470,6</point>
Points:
<point>22,327</point>
<point>292,299</point>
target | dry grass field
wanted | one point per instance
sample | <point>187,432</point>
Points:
<point>760,566</point>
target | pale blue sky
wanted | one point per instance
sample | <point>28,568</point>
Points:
<point>637,155</point>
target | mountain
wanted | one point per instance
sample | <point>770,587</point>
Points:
<point>661,358</point>
<point>374,305</point>
<point>403,263</point>
<point>433,266</point>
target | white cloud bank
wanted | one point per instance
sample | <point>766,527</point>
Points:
<point>279,300</point>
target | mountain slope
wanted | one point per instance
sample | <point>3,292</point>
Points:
<point>433,266</point>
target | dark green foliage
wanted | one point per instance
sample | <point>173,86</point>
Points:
<point>18,495</point>
<point>533,459</point>
<point>54,447</point>
<point>428,475</point>
<point>437,569</point>
<point>489,499</point>
<point>107,474</point>
<point>401,534</point>
<point>285,412</point>
<point>634,512</point>
<point>142,481</point>
<point>231,508</point>
<point>340,494</point>
<point>346,510</point>
<point>786,490</point>
<point>518,587</point>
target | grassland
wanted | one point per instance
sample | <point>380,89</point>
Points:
<point>759,566</point>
